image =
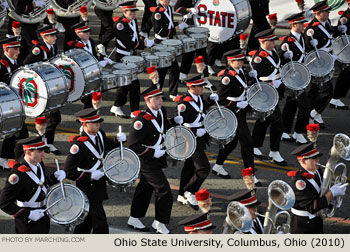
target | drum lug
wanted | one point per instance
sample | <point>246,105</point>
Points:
<point>69,228</point>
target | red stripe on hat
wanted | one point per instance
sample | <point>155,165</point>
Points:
<point>201,81</point>
<point>129,7</point>
<point>324,7</point>
<point>296,20</point>
<point>237,57</point>
<point>48,32</point>
<point>17,43</point>
<point>268,37</point>
<point>153,93</point>
<point>201,225</point>
<point>33,146</point>
<point>82,29</point>
<point>309,154</point>
<point>90,119</point>
<point>248,201</point>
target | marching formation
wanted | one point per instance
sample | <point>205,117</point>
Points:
<point>36,81</point>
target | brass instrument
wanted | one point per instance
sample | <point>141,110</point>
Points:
<point>281,196</point>
<point>238,217</point>
<point>3,14</point>
<point>340,148</point>
<point>107,5</point>
<point>35,16</point>
<point>73,10</point>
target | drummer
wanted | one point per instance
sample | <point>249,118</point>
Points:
<point>266,62</point>
<point>128,41</point>
<point>87,152</point>
<point>192,108</point>
<point>25,191</point>
<point>145,139</point>
<point>296,44</point>
<point>232,93</point>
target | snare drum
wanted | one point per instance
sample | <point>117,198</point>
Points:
<point>197,30</point>
<point>137,60</point>
<point>131,67</point>
<point>165,59</point>
<point>175,43</point>
<point>11,111</point>
<point>122,172</point>
<point>321,69</point>
<point>152,60</point>
<point>42,86</point>
<point>109,81</point>
<point>73,210</point>
<point>189,44</point>
<point>342,49</point>
<point>180,143</point>
<point>122,77</point>
<point>201,40</point>
<point>263,100</point>
<point>144,54</point>
<point>82,71</point>
<point>164,48</point>
<point>222,130</point>
<point>295,77</point>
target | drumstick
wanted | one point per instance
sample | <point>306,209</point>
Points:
<point>47,208</point>
<point>216,102</point>
<point>109,56</point>
<point>310,34</point>
<point>61,183</point>
<point>84,170</point>
<point>343,21</point>
<point>121,144</point>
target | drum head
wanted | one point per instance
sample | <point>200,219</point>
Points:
<point>180,143</point>
<point>263,100</point>
<point>296,76</point>
<point>319,66</point>
<point>197,29</point>
<point>69,210</point>
<point>172,42</point>
<point>342,49</point>
<point>218,127</point>
<point>121,171</point>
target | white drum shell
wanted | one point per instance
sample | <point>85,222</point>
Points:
<point>165,59</point>
<point>164,48</point>
<point>174,43</point>
<point>201,40</point>
<point>130,67</point>
<point>108,80</point>
<point>122,77</point>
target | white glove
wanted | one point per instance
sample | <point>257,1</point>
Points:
<point>253,74</point>
<point>158,153</point>
<point>200,132</point>
<point>102,63</point>
<point>40,3</point>
<point>101,49</point>
<point>214,97</point>
<point>4,163</point>
<point>121,137</point>
<point>193,11</point>
<point>288,54</point>
<point>60,175</point>
<point>183,25</point>
<point>149,42</point>
<point>108,60</point>
<point>242,104</point>
<point>276,83</point>
<point>179,119</point>
<point>36,215</point>
<point>6,4</point>
<point>337,190</point>
<point>334,57</point>
<point>342,28</point>
<point>96,175</point>
<point>314,42</point>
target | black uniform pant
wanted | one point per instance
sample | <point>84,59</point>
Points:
<point>195,169</point>
<point>69,34</point>
<point>276,129</point>
<point>174,73</point>
<point>134,95</point>
<point>152,179</point>
<point>342,84</point>
<point>304,225</point>
<point>146,23</point>
<point>216,50</point>
<point>96,220</point>
<point>320,96</point>
<point>42,226</point>
<point>301,103</point>
<point>87,101</point>
<point>187,59</point>
<point>53,120</point>
<point>245,139</point>
<point>28,34</point>
<point>106,28</point>
<point>9,144</point>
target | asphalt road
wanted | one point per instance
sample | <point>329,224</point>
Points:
<point>118,205</point>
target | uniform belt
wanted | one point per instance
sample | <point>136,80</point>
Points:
<point>193,125</point>
<point>160,37</point>
<point>236,99</point>
<point>31,204</point>
<point>276,77</point>
<point>302,213</point>
<point>127,53</point>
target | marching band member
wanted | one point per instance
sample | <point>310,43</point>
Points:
<point>266,62</point>
<point>198,224</point>
<point>17,30</point>
<point>146,138</point>
<point>322,39</point>
<point>86,153</point>
<point>232,94</point>
<point>306,184</point>
<point>192,108</point>
<point>165,28</point>
<point>296,44</point>
<point>127,42</point>
<point>24,193</point>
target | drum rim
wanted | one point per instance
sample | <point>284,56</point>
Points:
<point>320,52</point>
<point>82,210</point>
<point>270,86</point>
<point>137,170</point>
<point>298,64</point>
<point>334,42</point>
<point>190,133</point>
<point>229,112</point>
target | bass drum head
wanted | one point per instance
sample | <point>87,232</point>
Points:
<point>263,100</point>
<point>297,78</point>
<point>121,171</point>
<point>342,49</point>
<point>319,67</point>
<point>218,127</point>
<point>180,143</point>
<point>69,210</point>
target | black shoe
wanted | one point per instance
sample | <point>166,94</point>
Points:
<point>339,107</point>
<point>145,229</point>
<point>288,140</point>
<point>281,163</point>
<point>258,184</point>
<point>261,157</point>
<point>220,175</point>
<point>322,126</point>
<point>194,207</point>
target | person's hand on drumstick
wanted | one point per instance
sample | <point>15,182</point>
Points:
<point>182,26</point>
<point>178,119</point>
<point>253,74</point>
<point>288,54</point>
<point>314,42</point>
<point>36,215</point>
<point>242,104</point>
<point>97,175</point>
<point>200,132</point>
<point>276,83</point>
<point>149,42</point>
<point>121,137</point>
<point>60,175</point>
<point>214,97</point>
<point>158,153</point>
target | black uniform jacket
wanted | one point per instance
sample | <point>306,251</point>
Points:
<point>6,68</point>
<point>263,65</point>
<point>323,34</point>
<point>80,44</point>
<point>161,22</point>
<point>43,54</point>
<point>297,47</point>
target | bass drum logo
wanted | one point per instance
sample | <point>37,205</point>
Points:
<point>28,90</point>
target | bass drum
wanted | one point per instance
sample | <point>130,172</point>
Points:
<point>227,18</point>
<point>70,211</point>
<point>321,69</point>
<point>82,70</point>
<point>11,111</point>
<point>42,86</point>
<point>120,171</point>
<point>222,129</point>
<point>180,143</point>
<point>295,76</point>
